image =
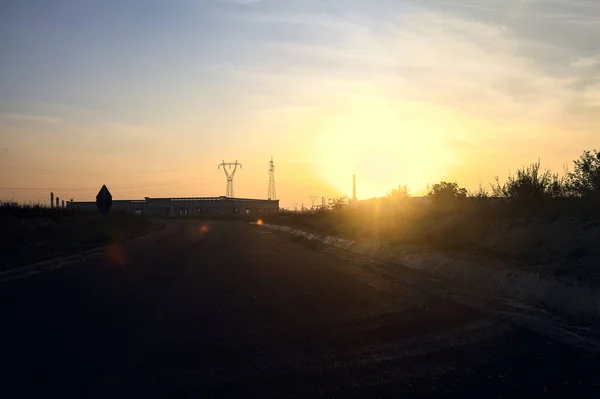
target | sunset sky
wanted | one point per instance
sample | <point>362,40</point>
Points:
<point>149,96</point>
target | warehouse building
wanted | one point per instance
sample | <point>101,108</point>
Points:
<point>181,207</point>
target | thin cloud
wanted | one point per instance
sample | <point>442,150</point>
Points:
<point>242,2</point>
<point>453,58</point>
<point>32,118</point>
<point>587,62</point>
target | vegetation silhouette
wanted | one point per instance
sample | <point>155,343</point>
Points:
<point>535,215</point>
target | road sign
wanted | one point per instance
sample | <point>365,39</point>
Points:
<point>104,200</point>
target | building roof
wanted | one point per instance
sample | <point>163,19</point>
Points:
<point>185,199</point>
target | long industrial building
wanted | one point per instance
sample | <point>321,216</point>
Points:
<point>181,207</point>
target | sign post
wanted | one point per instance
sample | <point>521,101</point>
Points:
<point>104,202</point>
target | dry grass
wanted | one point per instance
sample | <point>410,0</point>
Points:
<point>32,232</point>
<point>552,230</point>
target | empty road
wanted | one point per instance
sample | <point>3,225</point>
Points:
<point>217,309</point>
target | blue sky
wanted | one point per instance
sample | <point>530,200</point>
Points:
<point>150,95</point>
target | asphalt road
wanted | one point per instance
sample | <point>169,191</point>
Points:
<point>215,309</point>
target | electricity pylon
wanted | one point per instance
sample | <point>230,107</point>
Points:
<point>229,174</point>
<point>313,199</point>
<point>272,194</point>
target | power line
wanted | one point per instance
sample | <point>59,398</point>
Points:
<point>63,172</point>
<point>45,189</point>
<point>157,183</point>
<point>161,184</point>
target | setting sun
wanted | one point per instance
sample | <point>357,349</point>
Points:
<point>386,144</point>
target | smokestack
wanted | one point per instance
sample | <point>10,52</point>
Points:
<point>354,188</point>
<point>51,200</point>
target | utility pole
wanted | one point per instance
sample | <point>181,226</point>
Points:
<point>229,174</point>
<point>272,194</point>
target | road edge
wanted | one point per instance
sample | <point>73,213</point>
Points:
<point>66,260</point>
<point>549,313</point>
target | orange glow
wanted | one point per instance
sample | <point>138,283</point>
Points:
<point>204,229</point>
<point>115,254</point>
<point>259,222</point>
<point>386,142</point>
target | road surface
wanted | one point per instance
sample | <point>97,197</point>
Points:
<point>217,309</point>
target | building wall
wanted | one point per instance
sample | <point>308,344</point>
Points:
<point>181,207</point>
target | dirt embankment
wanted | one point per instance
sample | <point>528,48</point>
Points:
<point>569,288</point>
<point>565,247</point>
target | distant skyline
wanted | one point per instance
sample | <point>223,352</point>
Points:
<point>149,97</point>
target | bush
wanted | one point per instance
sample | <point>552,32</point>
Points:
<point>531,185</point>
<point>338,203</point>
<point>584,181</point>
<point>401,193</point>
<point>445,192</point>
<point>12,209</point>
<point>480,193</point>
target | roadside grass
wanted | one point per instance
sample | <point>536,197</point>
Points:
<point>557,230</point>
<point>32,232</point>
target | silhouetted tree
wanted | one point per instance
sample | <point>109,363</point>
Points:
<point>584,181</point>
<point>445,192</point>
<point>338,202</point>
<point>401,193</point>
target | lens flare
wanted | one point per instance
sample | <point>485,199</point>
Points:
<point>115,254</point>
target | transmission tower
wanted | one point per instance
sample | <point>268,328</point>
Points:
<point>229,174</point>
<point>272,194</point>
<point>313,199</point>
